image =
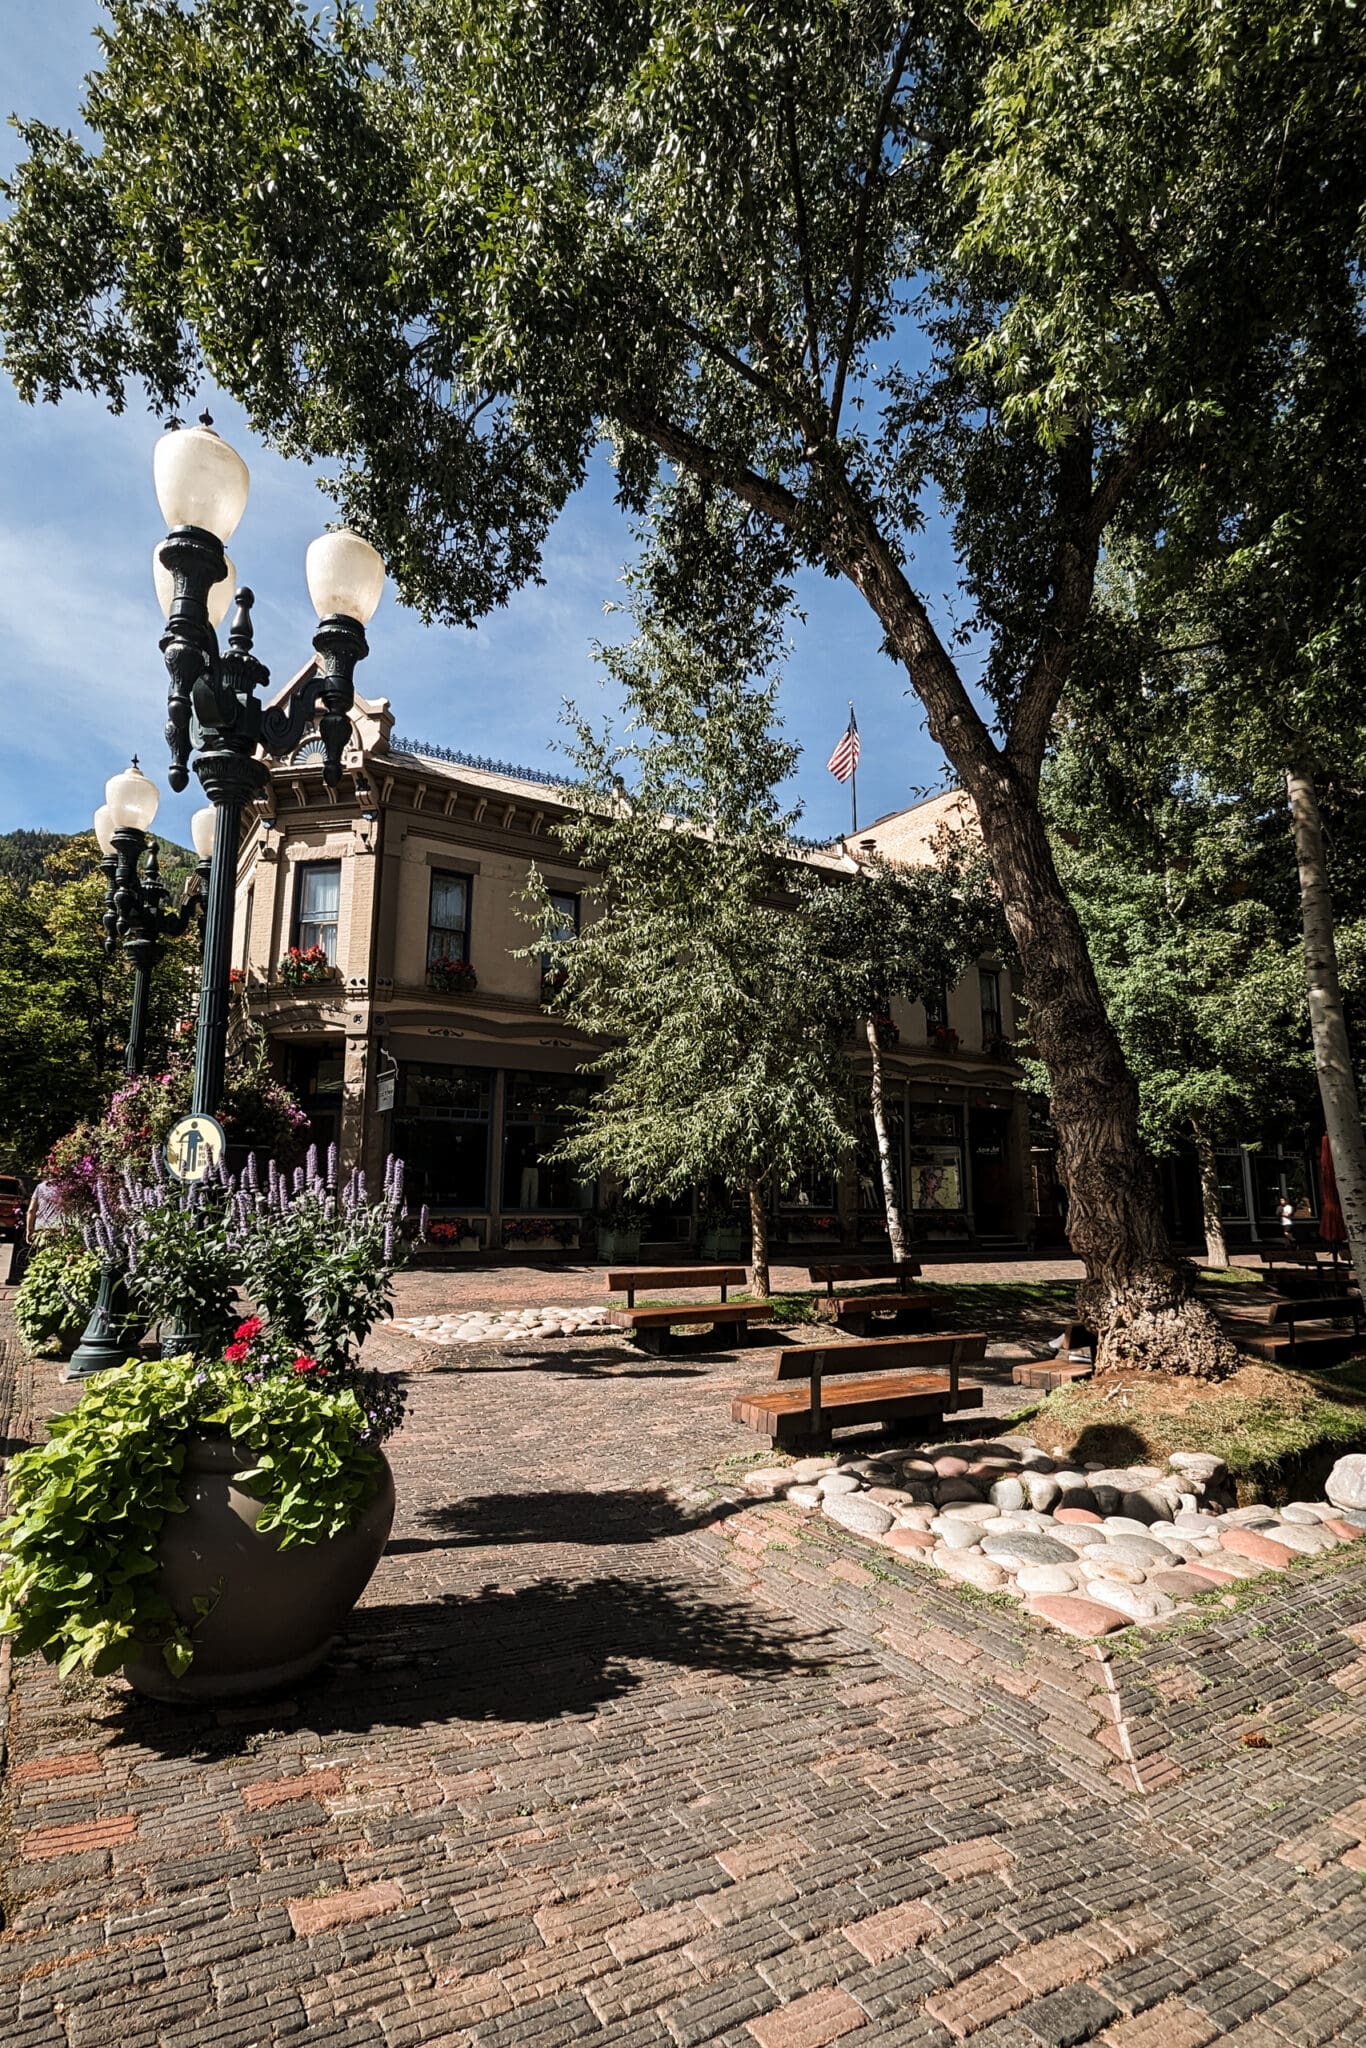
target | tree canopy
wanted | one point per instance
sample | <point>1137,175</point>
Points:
<point>1066,270</point>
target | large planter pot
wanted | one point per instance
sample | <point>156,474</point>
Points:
<point>617,1246</point>
<point>721,1244</point>
<point>275,1612</point>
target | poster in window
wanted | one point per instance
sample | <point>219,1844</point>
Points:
<point>937,1178</point>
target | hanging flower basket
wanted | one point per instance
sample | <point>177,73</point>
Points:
<point>298,969</point>
<point>452,977</point>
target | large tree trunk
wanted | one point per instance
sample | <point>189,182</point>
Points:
<point>895,1230</point>
<point>1137,1293</point>
<point>1216,1250</point>
<point>1327,1020</point>
<point>758,1249</point>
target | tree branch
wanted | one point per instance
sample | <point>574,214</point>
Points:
<point>1084,511</point>
<point>865,204</point>
<point>678,446</point>
<point>803,243</point>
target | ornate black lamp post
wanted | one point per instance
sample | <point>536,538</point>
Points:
<point>135,910</point>
<point>134,913</point>
<point>213,707</point>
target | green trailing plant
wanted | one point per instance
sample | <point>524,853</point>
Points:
<point>79,1585</point>
<point>54,1296</point>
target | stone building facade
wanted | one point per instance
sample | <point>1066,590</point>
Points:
<point>419,859</point>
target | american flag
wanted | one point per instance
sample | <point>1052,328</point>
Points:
<point>844,760</point>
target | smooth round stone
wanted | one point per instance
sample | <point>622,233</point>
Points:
<point>950,1467</point>
<point>1070,1480</point>
<point>971,1568</point>
<point>1140,1603</point>
<point>1081,1517</point>
<point>1106,1497</point>
<point>1116,1571</point>
<point>1193,1524</point>
<point>1127,1525</point>
<point>1026,1546</point>
<point>887,1496</point>
<point>804,1496</point>
<point>1304,1512</point>
<point>955,1533</point>
<point>1200,1465</point>
<point>1036,1461</point>
<point>917,1468</point>
<point>767,1480</point>
<point>807,1471</point>
<point>862,1517</point>
<point>1182,1547</point>
<point>1086,1536</point>
<point>1258,1516</point>
<point>1043,1490</point>
<point>919,1490</point>
<point>1309,1542</point>
<point>1182,1583</point>
<point>1138,1550</point>
<point>1356,1515</point>
<point>947,1490</point>
<point>1045,1578</point>
<point>971,1511</point>
<point>914,1516</point>
<point>835,1483</point>
<point>910,1542</point>
<point>1254,1545</point>
<point>1074,1615</point>
<point>1008,1493</point>
<point>1151,1504</point>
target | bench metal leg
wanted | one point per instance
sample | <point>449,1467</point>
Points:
<point>817,1412</point>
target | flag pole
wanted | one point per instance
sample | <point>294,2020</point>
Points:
<point>853,777</point>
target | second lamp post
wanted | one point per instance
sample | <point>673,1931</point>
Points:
<point>135,910</point>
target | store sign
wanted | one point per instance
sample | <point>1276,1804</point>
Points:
<point>384,1093</point>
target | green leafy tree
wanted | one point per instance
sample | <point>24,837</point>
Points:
<point>64,1005</point>
<point>726,1058</point>
<point>896,931</point>
<point>1183,894</point>
<point>1042,263</point>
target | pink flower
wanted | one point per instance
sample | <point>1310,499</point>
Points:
<point>302,1364</point>
<point>252,1327</point>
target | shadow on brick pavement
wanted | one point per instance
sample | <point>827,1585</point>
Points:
<point>609,1754</point>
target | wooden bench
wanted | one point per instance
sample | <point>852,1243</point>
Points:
<point>903,1271</point>
<point>866,1315</point>
<point>1326,1308</point>
<point>677,1278</point>
<point>652,1328</point>
<point>896,1382</point>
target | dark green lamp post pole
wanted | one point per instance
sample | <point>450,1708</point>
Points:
<point>135,914</point>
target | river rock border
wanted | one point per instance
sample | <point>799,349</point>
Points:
<point>504,1326</point>
<point>1089,1549</point>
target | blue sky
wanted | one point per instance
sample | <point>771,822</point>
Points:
<point>81,680</point>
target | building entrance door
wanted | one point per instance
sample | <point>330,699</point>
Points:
<point>990,1179</point>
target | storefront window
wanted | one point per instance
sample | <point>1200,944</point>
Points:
<point>535,1118</point>
<point>1276,1175</point>
<point>936,1159</point>
<point>442,1133</point>
<point>869,1164</point>
<point>811,1192</point>
<point>1232,1192</point>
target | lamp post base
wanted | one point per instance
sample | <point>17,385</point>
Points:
<point>102,1344</point>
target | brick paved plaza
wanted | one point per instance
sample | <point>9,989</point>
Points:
<point>614,1754</point>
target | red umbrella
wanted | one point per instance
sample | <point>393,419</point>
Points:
<point>1332,1224</point>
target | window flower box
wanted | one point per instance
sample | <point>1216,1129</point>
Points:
<point>943,1039</point>
<point>541,1233</point>
<point>301,968</point>
<point>999,1047</point>
<point>888,1032</point>
<point>809,1227</point>
<point>456,1233</point>
<point>553,979</point>
<point>452,977</point>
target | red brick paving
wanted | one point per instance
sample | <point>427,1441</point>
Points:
<point>587,1768</point>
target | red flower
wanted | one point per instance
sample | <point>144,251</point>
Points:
<point>302,1364</point>
<point>235,1353</point>
<point>252,1327</point>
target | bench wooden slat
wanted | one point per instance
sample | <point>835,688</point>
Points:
<point>881,1354</point>
<point>784,1413</point>
<point>629,1280</point>
<point>858,1313</point>
<point>690,1312</point>
<point>833,1270</point>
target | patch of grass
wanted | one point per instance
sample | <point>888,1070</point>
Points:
<point>1002,1295</point>
<point>1232,1276</point>
<point>1272,1426</point>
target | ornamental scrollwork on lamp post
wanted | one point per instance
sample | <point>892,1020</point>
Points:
<point>213,706</point>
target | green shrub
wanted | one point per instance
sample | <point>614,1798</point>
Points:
<point>56,1296</point>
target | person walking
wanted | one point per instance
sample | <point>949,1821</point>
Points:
<point>45,1211</point>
